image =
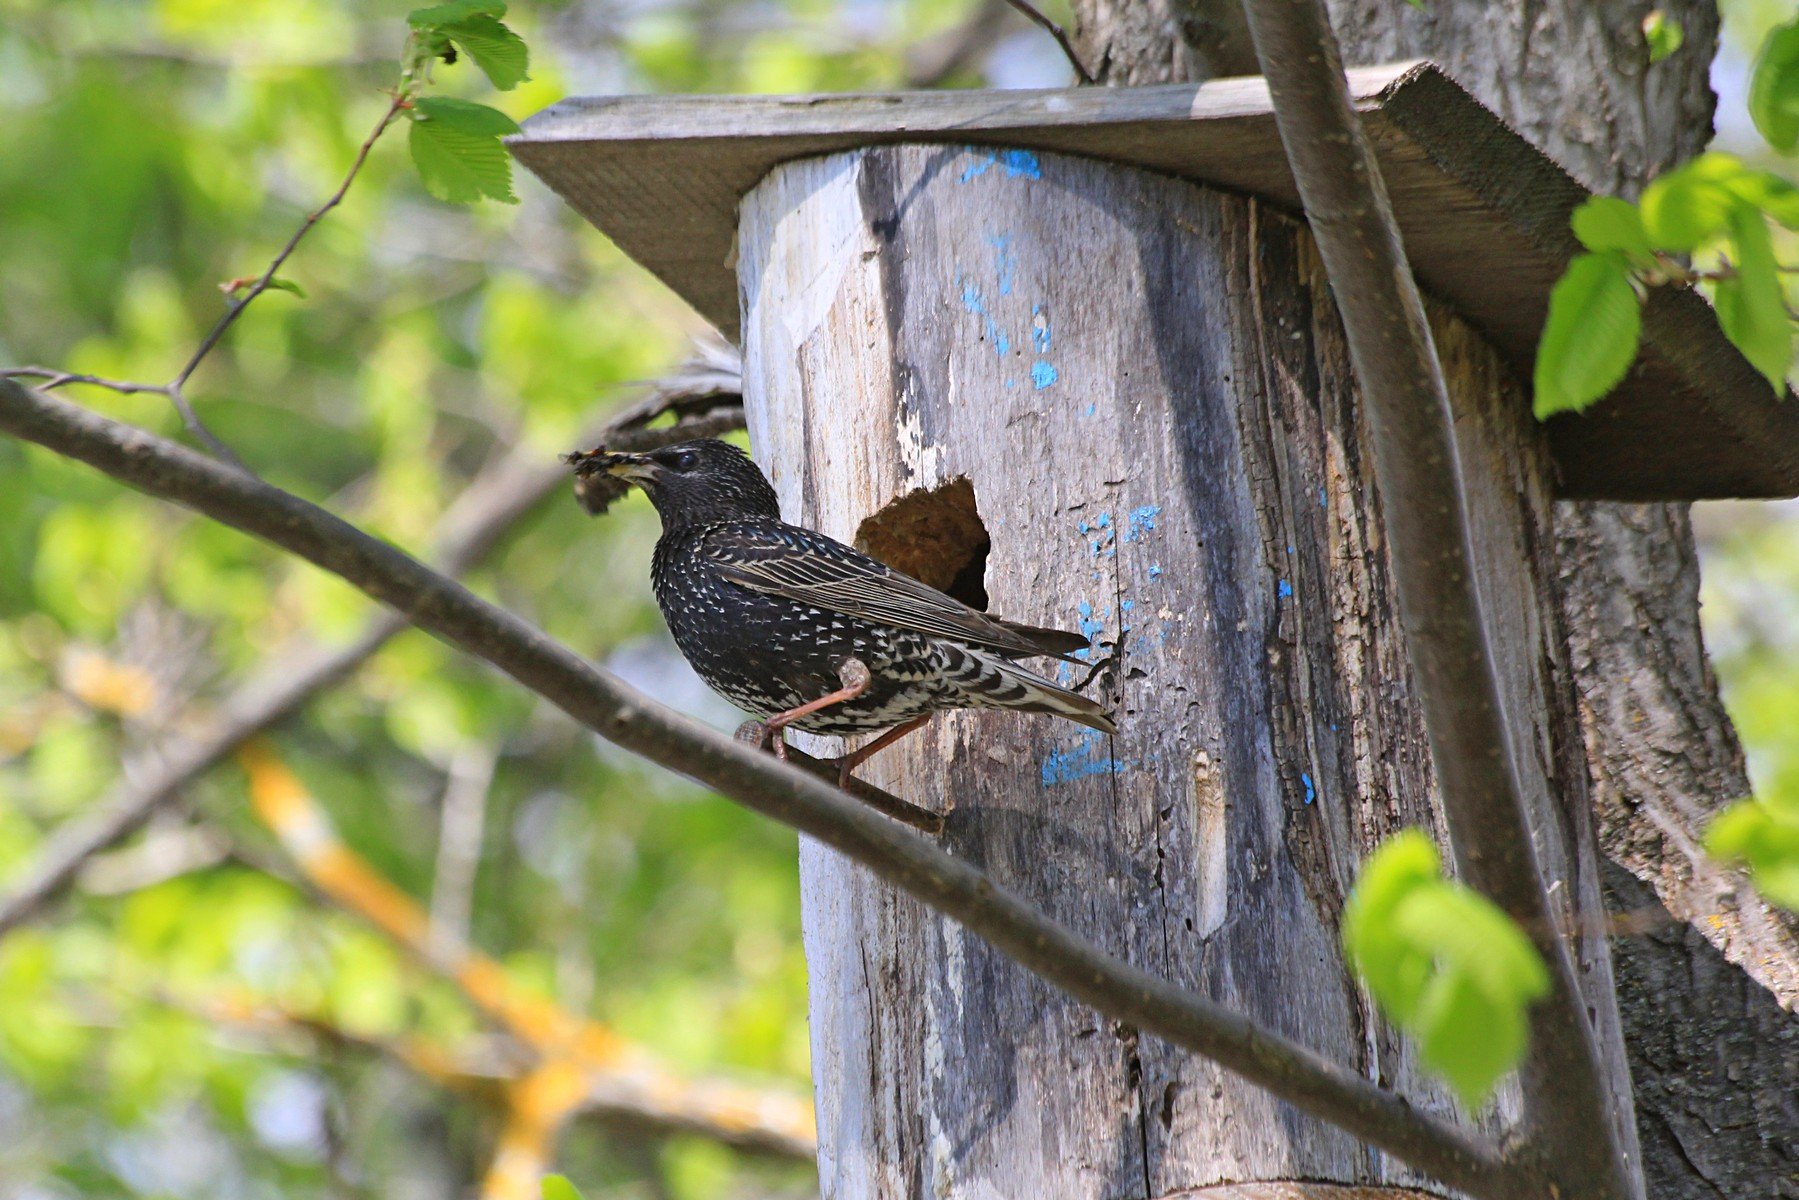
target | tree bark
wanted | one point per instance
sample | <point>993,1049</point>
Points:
<point>1137,389</point>
<point>1573,77</point>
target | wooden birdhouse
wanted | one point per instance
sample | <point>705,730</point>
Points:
<point>1072,356</point>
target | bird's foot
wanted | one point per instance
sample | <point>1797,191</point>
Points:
<point>763,736</point>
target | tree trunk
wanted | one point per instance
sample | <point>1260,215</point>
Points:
<point>1702,1009</point>
<point>1085,394</point>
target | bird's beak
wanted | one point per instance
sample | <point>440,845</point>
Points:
<point>636,468</point>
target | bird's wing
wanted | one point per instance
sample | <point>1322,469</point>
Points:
<point>795,563</point>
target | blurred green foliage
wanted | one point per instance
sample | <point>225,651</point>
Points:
<point>1751,604</point>
<point>148,152</point>
<point>151,149</point>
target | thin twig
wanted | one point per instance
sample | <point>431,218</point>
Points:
<point>238,303</point>
<point>53,379</point>
<point>494,502</point>
<point>1054,30</point>
<point>1325,1089</point>
<point>175,389</point>
<point>1419,474</point>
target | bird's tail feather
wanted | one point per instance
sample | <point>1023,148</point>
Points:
<point>1051,643</point>
<point>992,682</point>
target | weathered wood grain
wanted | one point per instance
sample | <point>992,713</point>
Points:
<point>1146,387</point>
<point>1483,213</point>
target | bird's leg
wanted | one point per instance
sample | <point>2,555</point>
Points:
<point>856,678</point>
<point>856,758</point>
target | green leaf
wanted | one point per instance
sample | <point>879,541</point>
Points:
<point>1468,1037</point>
<point>1590,336</point>
<point>1774,88</point>
<point>1662,34</point>
<point>278,284</point>
<point>1752,305</point>
<point>1608,223</point>
<point>456,146</point>
<point>1765,837</point>
<point>456,10</point>
<point>1444,964</point>
<point>465,116</point>
<point>1371,937</point>
<point>499,52</point>
<point>557,1187</point>
<point>1691,204</point>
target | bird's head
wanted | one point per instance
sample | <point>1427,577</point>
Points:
<point>689,482</point>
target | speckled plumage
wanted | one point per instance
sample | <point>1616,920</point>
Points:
<point>768,612</point>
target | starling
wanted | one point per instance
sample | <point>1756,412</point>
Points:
<point>803,631</point>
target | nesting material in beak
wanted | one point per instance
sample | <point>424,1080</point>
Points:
<point>601,479</point>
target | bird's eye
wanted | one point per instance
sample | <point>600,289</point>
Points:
<point>685,460</point>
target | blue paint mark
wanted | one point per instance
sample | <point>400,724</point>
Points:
<point>1017,163</point>
<point>1155,571</point>
<point>1091,626</point>
<point>1092,408</point>
<point>1010,384</point>
<point>1022,162</point>
<point>1040,333</point>
<point>1004,262</point>
<point>1285,589</point>
<point>1042,374</point>
<point>1125,606</point>
<point>1142,521</point>
<point>1322,502</point>
<point>1289,549</point>
<point>974,303</point>
<point>1105,544</point>
<point>1311,792</point>
<point>1086,760</point>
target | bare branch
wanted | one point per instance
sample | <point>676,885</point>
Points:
<point>459,832</point>
<point>495,501</point>
<point>754,1119</point>
<point>1419,475</point>
<point>1325,1089</point>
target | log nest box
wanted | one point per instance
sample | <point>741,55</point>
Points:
<point>1076,350</point>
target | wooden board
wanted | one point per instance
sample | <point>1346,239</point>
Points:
<point>1484,216</point>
